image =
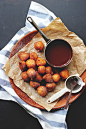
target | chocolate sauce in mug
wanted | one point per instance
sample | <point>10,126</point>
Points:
<point>58,53</point>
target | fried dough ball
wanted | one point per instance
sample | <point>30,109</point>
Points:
<point>40,61</point>
<point>42,90</point>
<point>30,63</point>
<point>64,74</point>
<point>38,77</point>
<point>22,65</point>
<point>34,84</point>
<point>56,77</point>
<point>50,86</point>
<point>33,56</point>
<point>39,46</point>
<point>41,69</point>
<point>25,76</point>
<point>49,70</point>
<point>31,73</point>
<point>48,78</point>
<point>23,56</point>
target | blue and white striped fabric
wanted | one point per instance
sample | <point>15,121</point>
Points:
<point>48,120</point>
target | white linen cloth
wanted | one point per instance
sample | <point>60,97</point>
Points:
<point>54,119</point>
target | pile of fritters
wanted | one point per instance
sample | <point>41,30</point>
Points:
<point>38,73</point>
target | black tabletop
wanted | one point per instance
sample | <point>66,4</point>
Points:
<point>12,17</point>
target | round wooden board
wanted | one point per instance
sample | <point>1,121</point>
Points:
<point>20,44</point>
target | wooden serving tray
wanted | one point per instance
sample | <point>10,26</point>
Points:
<point>61,103</point>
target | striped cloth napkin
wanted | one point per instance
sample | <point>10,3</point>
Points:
<point>49,120</point>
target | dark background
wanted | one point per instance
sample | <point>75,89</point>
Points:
<point>12,17</point>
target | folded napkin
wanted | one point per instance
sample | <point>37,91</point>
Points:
<point>54,119</point>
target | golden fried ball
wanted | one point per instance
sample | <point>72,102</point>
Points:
<point>50,86</point>
<point>25,76</point>
<point>48,78</point>
<point>41,69</point>
<point>40,61</point>
<point>31,73</point>
<point>33,56</point>
<point>38,77</point>
<point>23,56</point>
<point>42,90</point>
<point>30,63</point>
<point>49,70</point>
<point>64,74</point>
<point>56,77</point>
<point>34,84</point>
<point>22,65</point>
<point>39,46</point>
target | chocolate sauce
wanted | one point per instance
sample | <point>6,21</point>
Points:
<point>58,53</point>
